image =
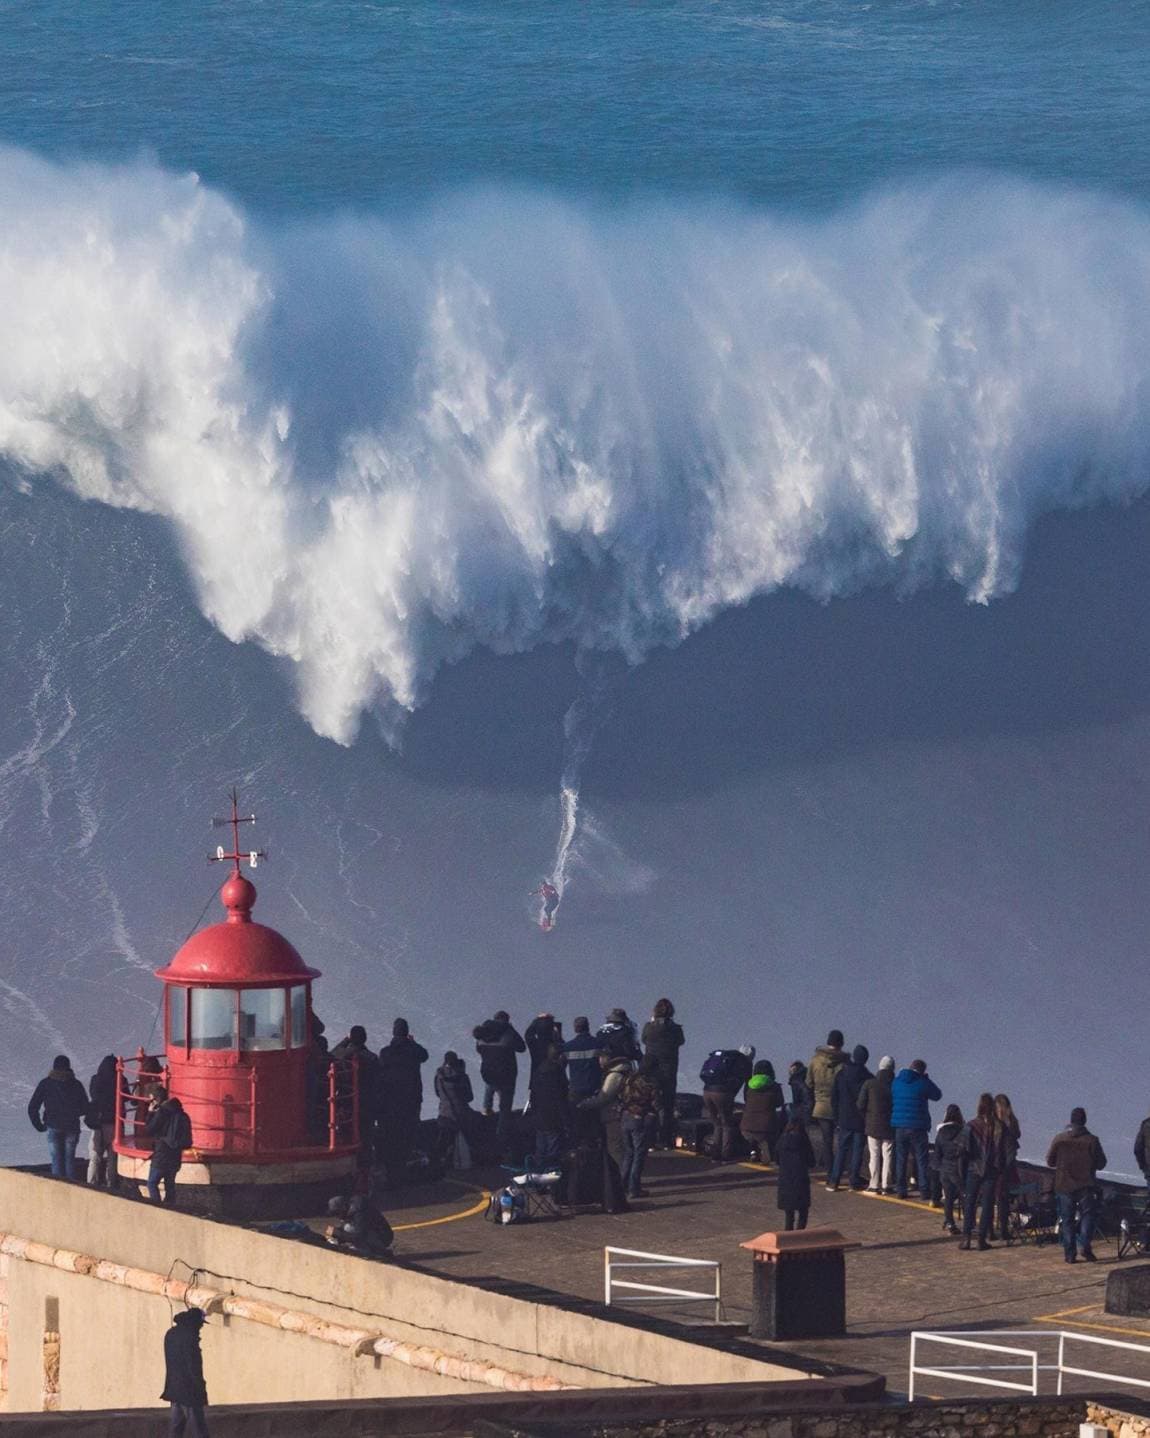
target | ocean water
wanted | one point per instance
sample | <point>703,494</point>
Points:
<point>372,374</point>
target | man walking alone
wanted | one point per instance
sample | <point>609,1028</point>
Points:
<point>184,1386</point>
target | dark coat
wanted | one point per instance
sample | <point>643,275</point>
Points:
<point>762,1109</point>
<point>497,1043</point>
<point>1075,1156</point>
<point>549,1106</point>
<point>802,1099</point>
<point>400,1083</point>
<point>455,1095</point>
<point>985,1148</point>
<point>367,1070</point>
<point>102,1093</point>
<point>662,1040</point>
<point>950,1150</point>
<point>583,1070</point>
<point>59,1102</point>
<point>539,1035</point>
<point>875,1101</point>
<point>795,1158</point>
<point>183,1362</point>
<point>170,1126</point>
<point>847,1087</point>
<point>1142,1146</point>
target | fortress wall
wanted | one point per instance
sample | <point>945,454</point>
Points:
<point>110,1337</point>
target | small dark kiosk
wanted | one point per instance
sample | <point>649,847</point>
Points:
<point>800,1288</point>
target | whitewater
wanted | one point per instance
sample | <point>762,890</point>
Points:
<point>508,419</point>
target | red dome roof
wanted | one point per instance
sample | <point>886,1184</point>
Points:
<point>238,951</point>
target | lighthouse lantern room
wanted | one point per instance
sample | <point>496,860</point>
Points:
<point>274,1123</point>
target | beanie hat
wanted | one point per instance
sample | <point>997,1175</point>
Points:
<point>886,1062</point>
<point>62,1061</point>
<point>835,1039</point>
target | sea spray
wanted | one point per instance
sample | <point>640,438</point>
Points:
<point>509,421</point>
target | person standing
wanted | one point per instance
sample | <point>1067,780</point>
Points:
<point>354,1052</point>
<point>101,1119</point>
<point>582,1052</point>
<point>875,1102</point>
<point>984,1148</point>
<point>604,1105</point>
<point>763,1107</point>
<point>949,1145</point>
<point>1142,1149</point>
<point>802,1100</point>
<point>539,1035</point>
<point>662,1040</point>
<point>497,1043</point>
<point>723,1074</point>
<point>170,1130</point>
<point>912,1093</point>
<point>1076,1156</point>
<point>400,1098</point>
<point>638,1117</point>
<point>56,1108</point>
<point>453,1121</point>
<point>849,1122</point>
<point>184,1386</point>
<point>828,1059</point>
<point>550,1105</point>
<point>796,1159</point>
<point>1008,1178</point>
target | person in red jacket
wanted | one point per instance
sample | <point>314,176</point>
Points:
<point>550,896</point>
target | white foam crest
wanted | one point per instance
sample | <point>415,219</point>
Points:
<point>514,421</point>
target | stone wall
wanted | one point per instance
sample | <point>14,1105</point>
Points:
<point>1119,1422</point>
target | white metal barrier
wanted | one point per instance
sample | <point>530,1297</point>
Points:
<point>652,1292</point>
<point>1030,1365</point>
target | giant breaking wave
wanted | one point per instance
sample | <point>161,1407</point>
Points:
<point>510,420</point>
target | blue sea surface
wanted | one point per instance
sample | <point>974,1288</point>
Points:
<point>314,104</point>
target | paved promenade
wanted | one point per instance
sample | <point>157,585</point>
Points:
<point>906,1273</point>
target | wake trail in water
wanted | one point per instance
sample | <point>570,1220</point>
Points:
<point>510,420</point>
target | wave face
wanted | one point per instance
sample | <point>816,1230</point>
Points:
<point>511,420</point>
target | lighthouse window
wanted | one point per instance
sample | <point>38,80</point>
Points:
<point>213,1019</point>
<point>177,1016</point>
<point>262,1019</point>
<point>299,1016</point>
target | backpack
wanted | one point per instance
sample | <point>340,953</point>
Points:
<point>508,1205</point>
<point>721,1068</point>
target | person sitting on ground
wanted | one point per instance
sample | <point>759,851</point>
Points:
<point>170,1130</point>
<point>796,1159</point>
<point>875,1101</point>
<point>949,1145</point>
<point>497,1043</point>
<point>1008,1178</point>
<point>56,1108</point>
<point>454,1119</point>
<point>662,1040</point>
<point>605,1106</point>
<point>828,1059</point>
<point>101,1119</point>
<point>358,1224</point>
<point>723,1074</point>
<point>763,1111</point>
<point>1076,1156</point>
<point>184,1386</point>
<point>638,1117</point>
<point>984,1148</point>
<point>619,1036</point>
<point>911,1096</point>
<point>849,1122</point>
<point>582,1052</point>
<point>550,1106</point>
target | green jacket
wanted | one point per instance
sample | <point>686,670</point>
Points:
<point>821,1077</point>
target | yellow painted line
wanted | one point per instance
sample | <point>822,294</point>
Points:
<point>890,1198</point>
<point>1066,1313</point>
<point>448,1217</point>
<point>1098,1327</point>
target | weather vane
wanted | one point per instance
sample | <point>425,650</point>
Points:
<point>237,856</point>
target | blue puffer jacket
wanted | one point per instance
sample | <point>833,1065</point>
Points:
<point>911,1095</point>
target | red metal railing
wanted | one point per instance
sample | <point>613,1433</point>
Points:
<point>232,1120</point>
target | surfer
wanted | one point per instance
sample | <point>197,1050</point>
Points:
<point>550,896</point>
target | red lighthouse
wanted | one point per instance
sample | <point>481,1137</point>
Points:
<point>274,1124</point>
